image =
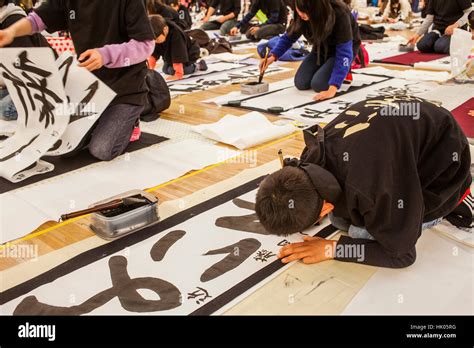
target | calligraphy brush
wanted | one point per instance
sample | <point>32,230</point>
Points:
<point>260,78</point>
<point>117,203</point>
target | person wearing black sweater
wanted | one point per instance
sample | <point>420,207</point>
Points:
<point>229,12</point>
<point>274,10</point>
<point>443,16</point>
<point>391,166</point>
<point>183,13</point>
<point>180,52</point>
<point>332,30</point>
<point>158,7</point>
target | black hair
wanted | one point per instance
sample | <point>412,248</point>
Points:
<point>471,20</point>
<point>322,18</point>
<point>287,202</point>
<point>158,24</point>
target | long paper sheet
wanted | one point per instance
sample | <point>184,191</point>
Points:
<point>439,283</point>
<point>326,111</point>
<point>79,189</point>
<point>290,97</point>
<point>35,86</point>
<point>88,97</point>
<point>187,265</point>
<point>197,84</point>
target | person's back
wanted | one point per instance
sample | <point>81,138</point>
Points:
<point>392,166</point>
<point>399,148</point>
<point>90,25</point>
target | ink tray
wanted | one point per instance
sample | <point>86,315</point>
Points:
<point>119,222</point>
<point>251,88</point>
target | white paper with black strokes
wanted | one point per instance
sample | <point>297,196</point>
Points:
<point>88,98</point>
<point>36,88</point>
<point>234,76</point>
<point>174,272</point>
<point>290,98</point>
<point>326,111</point>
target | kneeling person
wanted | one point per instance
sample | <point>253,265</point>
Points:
<point>389,176</point>
<point>180,52</point>
<point>277,15</point>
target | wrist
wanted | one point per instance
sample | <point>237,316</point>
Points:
<point>333,88</point>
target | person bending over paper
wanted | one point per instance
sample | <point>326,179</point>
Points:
<point>391,166</point>
<point>444,16</point>
<point>113,39</point>
<point>332,30</point>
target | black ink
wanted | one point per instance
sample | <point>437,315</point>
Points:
<point>237,254</point>
<point>263,255</point>
<point>123,287</point>
<point>14,153</point>
<point>246,223</point>
<point>201,295</point>
<point>159,250</point>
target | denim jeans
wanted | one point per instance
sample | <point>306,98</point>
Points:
<point>434,43</point>
<point>7,108</point>
<point>224,27</point>
<point>310,75</point>
<point>188,69</point>
<point>266,32</point>
<point>361,233</point>
<point>113,131</point>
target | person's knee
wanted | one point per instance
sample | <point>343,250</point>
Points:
<point>302,83</point>
<point>441,46</point>
<point>425,45</point>
<point>226,27</point>
<point>102,151</point>
<point>319,84</point>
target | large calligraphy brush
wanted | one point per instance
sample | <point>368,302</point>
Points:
<point>115,204</point>
<point>260,78</point>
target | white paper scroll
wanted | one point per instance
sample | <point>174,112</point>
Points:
<point>291,98</point>
<point>245,131</point>
<point>326,111</point>
<point>196,261</point>
<point>36,88</point>
<point>88,98</point>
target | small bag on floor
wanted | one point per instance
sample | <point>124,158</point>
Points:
<point>158,99</point>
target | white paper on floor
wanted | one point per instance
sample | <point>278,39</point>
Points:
<point>228,57</point>
<point>245,131</point>
<point>181,269</point>
<point>79,189</point>
<point>35,86</point>
<point>237,95</point>
<point>409,74</point>
<point>211,68</point>
<point>440,282</point>
<point>442,64</point>
<point>220,79</point>
<point>461,235</point>
<point>386,49</point>
<point>291,97</point>
<point>450,96</point>
<point>326,111</point>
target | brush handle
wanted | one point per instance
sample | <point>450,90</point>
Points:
<point>106,206</point>
<point>260,78</point>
